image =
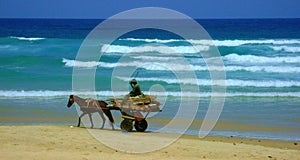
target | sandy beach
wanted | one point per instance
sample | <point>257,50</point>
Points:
<point>63,142</point>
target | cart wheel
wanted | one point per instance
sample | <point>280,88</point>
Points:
<point>141,126</point>
<point>126,125</point>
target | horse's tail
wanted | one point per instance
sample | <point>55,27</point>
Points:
<point>106,111</point>
<point>109,115</point>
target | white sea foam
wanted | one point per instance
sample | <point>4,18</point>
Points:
<point>27,38</point>
<point>74,63</point>
<point>156,58</point>
<point>246,59</point>
<point>90,64</point>
<point>165,66</point>
<point>291,49</point>
<point>50,93</point>
<point>233,43</point>
<point>155,40</point>
<point>228,82</point>
<point>160,49</point>
<point>40,93</point>
<point>65,94</point>
<point>232,58</point>
<point>181,67</point>
<point>268,69</point>
<point>229,43</point>
<point>146,65</point>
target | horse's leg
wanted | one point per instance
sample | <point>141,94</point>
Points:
<point>103,118</point>
<point>79,119</point>
<point>90,115</point>
<point>107,112</point>
<point>110,117</point>
<point>112,125</point>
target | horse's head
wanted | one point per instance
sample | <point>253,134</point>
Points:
<point>71,101</point>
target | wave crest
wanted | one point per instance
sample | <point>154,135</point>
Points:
<point>229,82</point>
<point>228,43</point>
<point>64,94</point>
<point>165,66</point>
<point>74,63</point>
<point>244,59</point>
<point>27,38</point>
<point>160,49</point>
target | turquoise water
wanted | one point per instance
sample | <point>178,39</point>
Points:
<point>37,58</point>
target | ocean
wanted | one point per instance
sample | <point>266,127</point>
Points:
<point>261,58</point>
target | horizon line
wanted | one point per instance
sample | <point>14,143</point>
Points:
<point>231,18</point>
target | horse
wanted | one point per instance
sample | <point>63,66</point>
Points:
<point>89,106</point>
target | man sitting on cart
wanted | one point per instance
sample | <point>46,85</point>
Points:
<point>136,89</point>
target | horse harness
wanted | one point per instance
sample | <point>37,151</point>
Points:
<point>92,103</point>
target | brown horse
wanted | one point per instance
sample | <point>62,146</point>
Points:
<point>89,106</point>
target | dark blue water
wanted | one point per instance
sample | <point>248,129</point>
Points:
<point>217,28</point>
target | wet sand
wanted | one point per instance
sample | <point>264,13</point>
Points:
<point>63,142</point>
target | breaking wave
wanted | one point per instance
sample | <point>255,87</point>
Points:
<point>65,94</point>
<point>244,59</point>
<point>160,49</point>
<point>27,38</point>
<point>228,82</point>
<point>228,43</point>
<point>165,66</point>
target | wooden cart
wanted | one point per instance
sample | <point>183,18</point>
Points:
<point>131,108</point>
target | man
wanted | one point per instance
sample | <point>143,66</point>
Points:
<point>136,89</point>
